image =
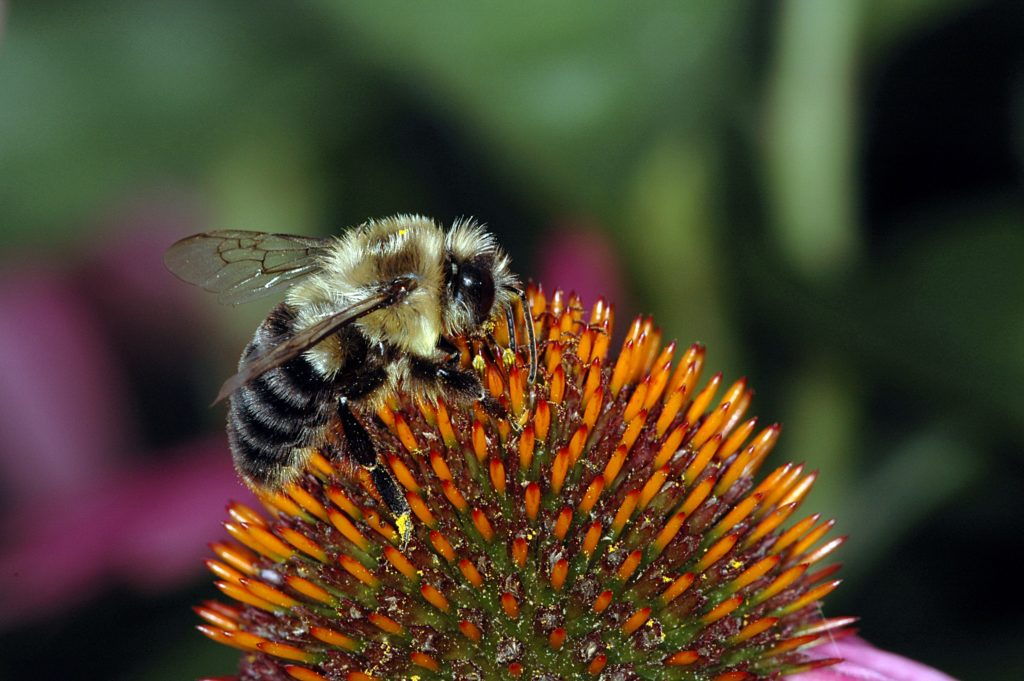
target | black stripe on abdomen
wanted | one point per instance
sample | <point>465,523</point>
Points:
<point>278,412</point>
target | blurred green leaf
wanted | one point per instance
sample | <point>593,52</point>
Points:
<point>137,94</point>
<point>901,490</point>
<point>564,95</point>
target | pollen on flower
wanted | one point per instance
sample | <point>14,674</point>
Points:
<point>605,521</point>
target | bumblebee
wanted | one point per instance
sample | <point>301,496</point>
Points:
<point>365,315</point>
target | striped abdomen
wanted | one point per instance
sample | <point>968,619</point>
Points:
<point>274,417</point>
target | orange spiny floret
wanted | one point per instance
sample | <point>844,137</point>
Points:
<point>303,673</point>
<point>784,580</point>
<point>733,471</point>
<point>526,444</point>
<point>403,474</point>
<point>520,551</point>
<point>559,469</point>
<point>756,627</point>
<point>531,499</point>
<point>633,429</point>
<point>711,426</point>
<point>236,556</point>
<point>621,371</point>
<point>347,528</point>
<point>602,341</point>
<point>400,562</point>
<point>754,573</point>
<point>677,587</point>
<point>702,399</point>
<point>405,434</point>
<point>602,601</point>
<point>593,382</point>
<point>625,511</point>
<point>454,497</point>
<point>593,408</point>
<point>636,620</point>
<point>435,597</point>
<point>670,446</point>
<point>559,571</point>
<point>420,508</point>
<point>636,400</point>
<point>735,516</point>
<point>722,609</point>
<point>557,390</point>
<point>470,572</point>
<point>652,487</point>
<point>717,551</point>
<point>303,543</point>
<point>309,589</point>
<point>736,439</point>
<point>585,345</point>
<point>697,496</point>
<point>358,570</point>
<point>510,605</point>
<point>442,546</point>
<point>591,539</point>
<point>576,444</point>
<point>592,494</point>
<point>385,624</point>
<point>479,439</point>
<point>629,566</point>
<point>470,630</point>
<point>792,534</point>
<point>660,375</point>
<point>682,658</point>
<point>483,525</point>
<point>668,532</point>
<point>285,651</point>
<point>444,425</point>
<point>307,501</point>
<point>673,403</point>
<point>421,659</point>
<point>342,501</point>
<point>492,378</point>
<point>497,473</point>
<point>562,523</point>
<point>542,420</point>
<point>815,594</point>
<point>614,465</point>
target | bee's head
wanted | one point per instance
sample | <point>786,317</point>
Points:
<point>478,284</point>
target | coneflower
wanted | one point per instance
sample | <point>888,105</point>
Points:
<point>603,522</point>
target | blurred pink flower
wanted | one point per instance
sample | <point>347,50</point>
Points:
<point>85,505</point>
<point>864,662</point>
<point>581,257</point>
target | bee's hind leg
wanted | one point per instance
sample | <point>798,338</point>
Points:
<point>360,447</point>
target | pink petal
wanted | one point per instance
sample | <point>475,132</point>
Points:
<point>149,528</point>
<point>864,662</point>
<point>581,258</point>
<point>61,402</point>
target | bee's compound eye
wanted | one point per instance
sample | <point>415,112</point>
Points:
<point>474,286</point>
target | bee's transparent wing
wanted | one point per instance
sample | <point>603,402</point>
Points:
<point>240,266</point>
<point>390,294</point>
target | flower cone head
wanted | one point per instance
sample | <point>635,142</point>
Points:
<point>606,521</point>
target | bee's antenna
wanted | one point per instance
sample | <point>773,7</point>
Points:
<point>510,322</point>
<point>530,335</point>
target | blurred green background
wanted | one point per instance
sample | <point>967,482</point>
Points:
<point>826,193</point>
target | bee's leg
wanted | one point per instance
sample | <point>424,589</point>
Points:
<point>360,447</point>
<point>446,377</point>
